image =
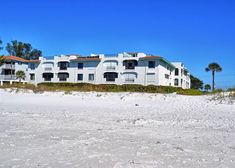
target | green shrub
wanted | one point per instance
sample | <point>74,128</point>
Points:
<point>189,92</point>
<point>86,87</point>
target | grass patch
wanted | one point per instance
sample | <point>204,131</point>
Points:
<point>85,87</point>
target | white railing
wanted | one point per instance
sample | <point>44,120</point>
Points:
<point>129,80</point>
<point>110,68</point>
<point>7,77</point>
<point>47,69</point>
<point>8,66</point>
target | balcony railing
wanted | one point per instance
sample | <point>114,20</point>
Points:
<point>110,68</point>
<point>8,66</point>
<point>7,77</point>
<point>47,69</point>
<point>129,80</point>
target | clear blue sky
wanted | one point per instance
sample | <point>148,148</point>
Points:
<point>195,32</point>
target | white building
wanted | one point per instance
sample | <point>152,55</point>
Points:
<point>123,68</point>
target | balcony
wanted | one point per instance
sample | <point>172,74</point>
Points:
<point>110,68</point>
<point>129,80</point>
<point>7,77</point>
<point>8,66</point>
<point>47,69</point>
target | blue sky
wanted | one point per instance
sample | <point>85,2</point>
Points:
<point>195,32</point>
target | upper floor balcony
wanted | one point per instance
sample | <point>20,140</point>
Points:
<point>111,68</point>
<point>63,65</point>
<point>7,77</point>
<point>48,69</point>
<point>130,64</point>
<point>8,66</point>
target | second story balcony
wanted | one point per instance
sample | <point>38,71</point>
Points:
<point>110,67</point>
<point>8,66</point>
<point>130,64</point>
<point>7,77</point>
<point>63,65</point>
<point>48,69</point>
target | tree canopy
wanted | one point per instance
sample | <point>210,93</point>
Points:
<point>20,75</point>
<point>213,67</point>
<point>207,87</point>
<point>196,83</point>
<point>1,45</point>
<point>23,50</point>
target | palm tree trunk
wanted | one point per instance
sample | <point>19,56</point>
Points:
<point>213,80</point>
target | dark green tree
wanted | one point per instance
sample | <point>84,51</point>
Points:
<point>213,67</point>
<point>23,50</point>
<point>20,75</point>
<point>196,83</point>
<point>1,45</point>
<point>207,87</point>
<point>1,57</point>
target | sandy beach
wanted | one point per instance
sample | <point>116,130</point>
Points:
<point>115,130</point>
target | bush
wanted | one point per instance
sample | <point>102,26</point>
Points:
<point>86,87</point>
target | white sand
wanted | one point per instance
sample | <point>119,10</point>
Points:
<point>115,130</point>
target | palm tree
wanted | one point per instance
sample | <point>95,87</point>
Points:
<point>207,87</point>
<point>20,75</point>
<point>213,67</point>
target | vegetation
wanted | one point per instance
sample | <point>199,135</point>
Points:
<point>207,87</point>
<point>85,87</point>
<point>1,57</point>
<point>1,45</point>
<point>213,67</point>
<point>23,50</point>
<point>20,75</point>
<point>196,83</point>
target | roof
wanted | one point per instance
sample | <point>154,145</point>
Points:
<point>151,56</point>
<point>86,59</point>
<point>15,58</point>
<point>159,58</point>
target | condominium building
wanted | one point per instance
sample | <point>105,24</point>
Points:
<point>122,68</point>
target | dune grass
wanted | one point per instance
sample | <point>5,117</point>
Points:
<point>85,87</point>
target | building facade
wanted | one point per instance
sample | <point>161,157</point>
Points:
<point>122,68</point>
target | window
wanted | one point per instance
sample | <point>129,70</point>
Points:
<point>151,64</point>
<point>176,82</point>
<point>63,76</point>
<point>176,72</point>
<point>110,65</point>
<point>47,76</point>
<point>167,76</point>
<point>32,77</point>
<point>151,77</point>
<point>80,77</point>
<point>91,77</point>
<point>130,77</point>
<point>110,76</point>
<point>80,65</point>
<point>63,65</point>
<point>130,64</point>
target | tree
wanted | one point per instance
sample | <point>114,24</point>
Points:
<point>1,57</point>
<point>1,45</point>
<point>23,50</point>
<point>213,67</point>
<point>1,60</point>
<point>207,87</point>
<point>20,75</point>
<point>196,83</point>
